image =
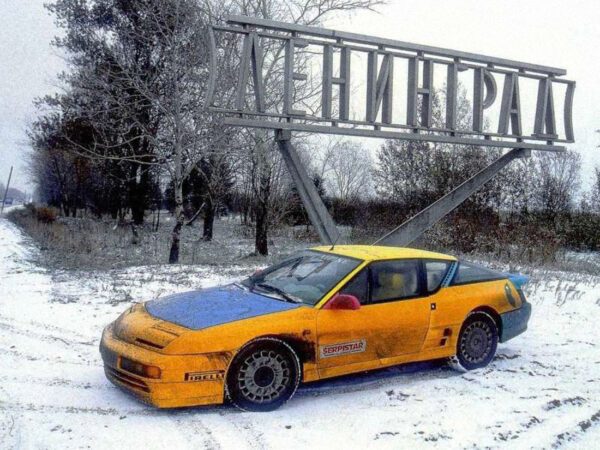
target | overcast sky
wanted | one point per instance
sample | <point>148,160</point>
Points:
<point>556,33</point>
<point>28,67</point>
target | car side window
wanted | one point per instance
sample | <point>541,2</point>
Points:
<point>468,272</point>
<point>435,271</point>
<point>394,280</point>
<point>358,286</point>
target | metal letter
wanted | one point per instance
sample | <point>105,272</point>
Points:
<point>568,113</point>
<point>343,81</point>
<point>452,93</point>
<point>483,78</point>
<point>378,121</point>
<point>451,96</point>
<point>289,76</point>
<point>251,51</point>
<point>545,122</point>
<point>511,106</point>
<point>212,68</point>
<point>380,88</point>
<point>414,91</point>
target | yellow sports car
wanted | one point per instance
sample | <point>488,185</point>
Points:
<point>321,313</point>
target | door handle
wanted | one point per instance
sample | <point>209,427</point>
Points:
<point>433,306</point>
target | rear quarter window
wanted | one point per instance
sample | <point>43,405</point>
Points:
<point>435,271</point>
<point>468,272</point>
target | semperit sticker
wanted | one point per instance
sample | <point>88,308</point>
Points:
<point>343,348</point>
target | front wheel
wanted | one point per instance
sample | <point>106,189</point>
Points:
<point>263,376</point>
<point>477,342</point>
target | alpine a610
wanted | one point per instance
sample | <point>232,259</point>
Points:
<point>320,313</point>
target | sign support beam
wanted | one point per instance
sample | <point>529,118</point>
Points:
<point>317,212</point>
<point>414,227</point>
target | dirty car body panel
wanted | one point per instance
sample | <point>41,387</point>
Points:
<point>175,351</point>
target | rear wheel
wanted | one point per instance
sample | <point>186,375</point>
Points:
<point>477,342</point>
<point>263,375</point>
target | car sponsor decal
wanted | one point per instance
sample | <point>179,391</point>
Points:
<point>343,348</point>
<point>205,376</point>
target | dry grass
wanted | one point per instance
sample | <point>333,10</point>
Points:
<point>90,243</point>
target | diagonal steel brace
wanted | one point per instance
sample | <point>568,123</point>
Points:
<point>425,219</point>
<point>317,212</point>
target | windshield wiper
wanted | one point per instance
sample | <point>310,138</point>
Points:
<point>280,292</point>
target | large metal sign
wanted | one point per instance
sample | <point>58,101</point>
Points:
<point>380,110</point>
<point>496,83</point>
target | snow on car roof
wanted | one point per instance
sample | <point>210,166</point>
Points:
<point>374,252</point>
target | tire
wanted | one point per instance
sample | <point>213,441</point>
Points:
<point>477,343</point>
<point>263,375</point>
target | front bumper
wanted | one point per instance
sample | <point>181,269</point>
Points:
<point>186,380</point>
<point>515,322</point>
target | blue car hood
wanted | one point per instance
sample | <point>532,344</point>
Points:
<point>214,306</point>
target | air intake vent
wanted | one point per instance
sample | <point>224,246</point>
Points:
<point>127,380</point>
<point>149,344</point>
<point>165,328</point>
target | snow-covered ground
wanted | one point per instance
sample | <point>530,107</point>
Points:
<point>541,391</point>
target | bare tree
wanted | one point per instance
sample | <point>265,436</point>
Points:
<point>596,190</point>
<point>263,156</point>
<point>136,84</point>
<point>139,80</point>
<point>557,182</point>
<point>66,177</point>
<point>347,168</point>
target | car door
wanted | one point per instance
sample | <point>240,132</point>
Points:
<point>393,319</point>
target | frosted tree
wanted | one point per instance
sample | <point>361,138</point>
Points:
<point>263,159</point>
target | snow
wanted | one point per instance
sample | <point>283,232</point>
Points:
<point>541,391</point>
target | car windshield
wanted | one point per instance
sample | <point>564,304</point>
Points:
<point>303,278</point>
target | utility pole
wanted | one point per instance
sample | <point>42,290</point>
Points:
<point>6,190</point>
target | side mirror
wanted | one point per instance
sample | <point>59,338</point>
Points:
<point>343,302</point>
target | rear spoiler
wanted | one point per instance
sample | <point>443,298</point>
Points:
<point>517,279</point>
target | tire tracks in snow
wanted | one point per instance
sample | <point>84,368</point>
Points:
<point>32,325</point>
<point>55,382</point>
<point>20,355</point>
<point>543,425</point>
<point>188,422</point>
<point>252,436</point>
<point>192,422</point>
<point>95,410</point>
<point>577,431</point>
<point>47,337</point>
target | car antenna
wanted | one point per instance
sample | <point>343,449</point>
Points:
<point>335,242</point>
